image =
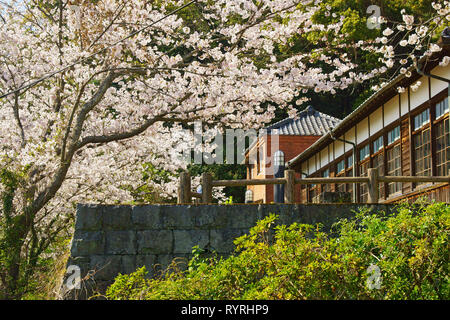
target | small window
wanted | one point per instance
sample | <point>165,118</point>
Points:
<point>421,119</point>
<point>378,163</point>
<point>378,144</point>
<point>341,166</point>
<point>441,108</point>
<point>422,153</point>
<point>326,187</point>
<point>350,161</point>
<point>394,135</point>
<point>363,188</point>
<point>442,134</point>
<point>364,153</point>
<point>394,168</point>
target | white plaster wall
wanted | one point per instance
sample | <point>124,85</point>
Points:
<point>376,121</point>
<point>350,136</point>
<point>312,166</point>
<point>438,85</point>
<point>404,102</point>
<point>323,157</point>
<point>421,95</point>
<point>338,148</point>
<point>362,130</point>
<point>391,111</point>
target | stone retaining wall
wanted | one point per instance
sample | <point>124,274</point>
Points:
<point>109,240</point>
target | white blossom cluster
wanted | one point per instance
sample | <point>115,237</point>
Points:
<point>84,133</point>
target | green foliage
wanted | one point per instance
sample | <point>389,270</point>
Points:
<point>224,172</point>
<point>229,200</point>
<point>131,286</point>
<point>410,248</point>
<point>28,264</point>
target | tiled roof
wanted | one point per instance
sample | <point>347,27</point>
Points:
<point>310,122</point>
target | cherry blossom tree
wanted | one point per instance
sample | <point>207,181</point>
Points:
<point>91,90</point>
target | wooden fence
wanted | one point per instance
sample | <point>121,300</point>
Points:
<point>372,179</point>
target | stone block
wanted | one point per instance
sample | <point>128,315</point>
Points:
<point>85,243</point>
<point>117,218</point>
<point>179,217</point>
<point>169,263</point>
<point>89,217</point>
<point>210,217</point>
<point>154,242</point>
<point>222,240</point>
<point>128,264</point>
<point>287,213</point>
<point>105,267</point>
<point>121,242</point>
<point>241,216</point>
<point>184,240</point>
<point>147,260</point>
<point>146,217</point>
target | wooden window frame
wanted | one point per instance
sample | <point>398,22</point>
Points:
<point>374,156</point>
<point>437,121</point>
<point>428,127</point>
<point>388,172</point>
<point>362,187</point>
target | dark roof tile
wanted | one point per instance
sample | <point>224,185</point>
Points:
<point>310,122</point>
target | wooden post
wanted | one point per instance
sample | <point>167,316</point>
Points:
<point>206,188</point>
<point>301,192</point>
<point>289,190</point>
<point>184,188</point>
<point>373,185</point>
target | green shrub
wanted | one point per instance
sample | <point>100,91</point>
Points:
<point>409,248</point>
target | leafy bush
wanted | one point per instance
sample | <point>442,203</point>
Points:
<point>410,249</point>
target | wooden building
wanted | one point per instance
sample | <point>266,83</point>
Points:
<point>403,130</point>
<point>292,137</point>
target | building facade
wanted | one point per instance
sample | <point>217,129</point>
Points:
<point>292,136</point>
<point>401,130</point>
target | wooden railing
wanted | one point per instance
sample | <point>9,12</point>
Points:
<point>372,179</point>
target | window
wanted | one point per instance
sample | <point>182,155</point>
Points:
<point>441,108</point>
<point>378,144</point>
<point>326,186</point>
<point>349,173</point>
<point>442,148</point>
<point>364,153</point>
<point>378,163</point>
<point>312,195</point>
<point>393,135</point>
<point>422,153</point>
<point>340,187</point>
<point>350,161</point>
<point>363,189</point>
<point>340,166</point>
<point>421,119</point>
<point>393,162</point>
<point>340,171</point>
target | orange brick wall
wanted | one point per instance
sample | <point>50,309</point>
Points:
<point>291,146</point>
